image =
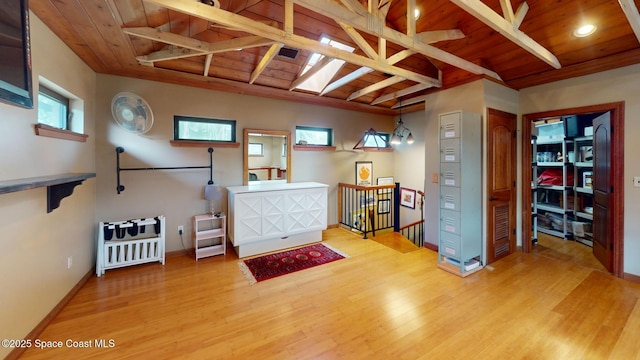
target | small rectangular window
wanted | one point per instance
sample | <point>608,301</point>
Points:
<point>53,108</point>
<point>203,129</point>
<point>256,149</point>
<point>306,135</point>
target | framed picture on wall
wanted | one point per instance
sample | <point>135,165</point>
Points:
<point>384,206</point>
<point>364,173</point>
<point>408,198</point>
<point>385,181</point>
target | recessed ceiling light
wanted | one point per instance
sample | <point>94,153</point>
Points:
<point>416,13</point>
<point>584,30</point>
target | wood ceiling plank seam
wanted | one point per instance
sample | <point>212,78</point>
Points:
<point>605,63</point>
<point>326,8</point>
<point>49,14</point>
<point>156,15</point>
<point>103,17</point>
<point>144,45</point>
<point>78,19</point>
<point>221,16</point>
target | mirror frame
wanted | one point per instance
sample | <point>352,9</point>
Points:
<point>286,134</point>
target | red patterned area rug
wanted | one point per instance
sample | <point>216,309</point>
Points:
<point>273,265</point>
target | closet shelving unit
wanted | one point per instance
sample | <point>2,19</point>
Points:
<point>583,202</point>
<point>552,205</point>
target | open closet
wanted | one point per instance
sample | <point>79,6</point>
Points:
<point>574,175</point>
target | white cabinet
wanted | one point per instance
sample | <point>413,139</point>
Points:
<point>209,235</point>
<point>460,245</point>
<point>269,217</point>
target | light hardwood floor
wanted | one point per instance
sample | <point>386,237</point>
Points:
<point>377,304</point>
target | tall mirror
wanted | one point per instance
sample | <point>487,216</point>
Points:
<point>267,156</point>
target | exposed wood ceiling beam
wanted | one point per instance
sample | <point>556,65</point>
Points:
<point>355,6</point>
<point>507,10</point>
<point>631,12</point>
<point>201,47</point>
<point>372,26</point>
<point>492,19</point>
<point>431,37</point>
<point>410,101</point>
<point>520,14</point>
<point>213,14</point>
<point>375,87</point>
<point>359,40</point>
<point>397,94</point>
<point>346,79</point>
<point>207,64</point>
<point>411,18</point>
<point>399,56</point>
<point>266,59</point>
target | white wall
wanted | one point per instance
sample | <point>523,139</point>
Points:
<point>35,244</point>
<point>408,163</point>
<point>611,86</point>
<point>177,194</point>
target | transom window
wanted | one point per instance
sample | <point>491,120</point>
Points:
<point>53,108</point>
<point>203,129</point>
<point>314,135</point>
<point>318,81</point>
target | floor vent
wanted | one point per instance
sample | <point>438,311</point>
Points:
<point>288,52</point>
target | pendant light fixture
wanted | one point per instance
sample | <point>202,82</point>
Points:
<point>400,131</point>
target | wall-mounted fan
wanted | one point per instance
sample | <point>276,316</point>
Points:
<point>132,112</point>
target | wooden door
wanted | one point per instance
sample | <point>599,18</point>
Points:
<point>602,189</point>
<point>501,184</point>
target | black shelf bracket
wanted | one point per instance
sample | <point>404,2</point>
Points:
<point>120,150</point>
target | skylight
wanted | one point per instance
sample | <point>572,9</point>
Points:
<point>319,80</point>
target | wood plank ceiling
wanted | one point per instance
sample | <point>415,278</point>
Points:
<point>233,45</point>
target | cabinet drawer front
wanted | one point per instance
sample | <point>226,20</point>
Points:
<point>450,221</point>
<point>450,245</point>
<point>450,150</point>
<point>450,174</point>
<point>450,126</point>
<point>450,198</point>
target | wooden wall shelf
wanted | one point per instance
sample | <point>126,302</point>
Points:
<point>58,186</point>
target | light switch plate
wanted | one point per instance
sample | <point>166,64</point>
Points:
<point>434,178</point>
<point>636,181</point>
